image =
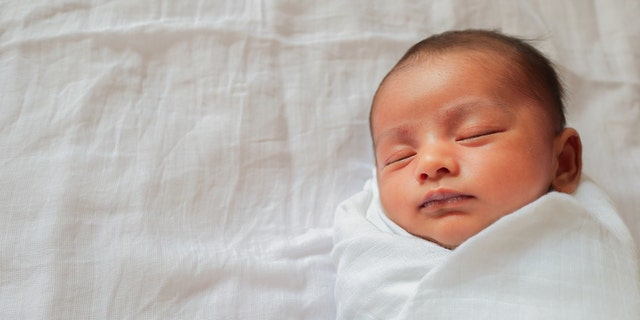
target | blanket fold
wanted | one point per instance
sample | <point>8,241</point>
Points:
<point>560,257</point>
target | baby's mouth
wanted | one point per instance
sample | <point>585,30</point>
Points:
<point>443,201</point>
<point>442,198</point>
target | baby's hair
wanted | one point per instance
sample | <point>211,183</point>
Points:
<point>534,75</point>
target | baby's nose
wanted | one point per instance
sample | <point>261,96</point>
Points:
<point>434,165</point>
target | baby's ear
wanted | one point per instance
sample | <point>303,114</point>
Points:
<point>568,152</point>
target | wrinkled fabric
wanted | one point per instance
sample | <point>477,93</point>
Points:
<point>183,160</point>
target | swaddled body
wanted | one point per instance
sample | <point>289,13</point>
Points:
<point>559,257</point>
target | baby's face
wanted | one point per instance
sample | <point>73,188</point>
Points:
<point>457,149</point>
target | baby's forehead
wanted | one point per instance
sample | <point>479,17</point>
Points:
<point>489,59</point>
<point>497,68</point>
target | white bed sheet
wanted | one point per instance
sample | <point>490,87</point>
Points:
<point>181,160</point>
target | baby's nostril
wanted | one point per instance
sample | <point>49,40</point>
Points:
<point>443,170</point>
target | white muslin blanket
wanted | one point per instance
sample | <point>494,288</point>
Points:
<point>560,257</point>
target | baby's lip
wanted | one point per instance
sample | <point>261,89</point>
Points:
<point>442,197</point>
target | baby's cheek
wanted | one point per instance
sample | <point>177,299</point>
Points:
<point>524,184</point>
<point>383,195</point>
<point>391,199</point>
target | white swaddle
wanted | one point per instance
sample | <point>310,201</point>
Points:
<point>560,257</point>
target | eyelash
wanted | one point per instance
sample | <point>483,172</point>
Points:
<point>478,135</point>
<point>398,159</point>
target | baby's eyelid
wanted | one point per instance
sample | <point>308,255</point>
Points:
<point>395,159</point>
<point>478,134</point>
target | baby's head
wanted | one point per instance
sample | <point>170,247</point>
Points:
<point>468,127</point>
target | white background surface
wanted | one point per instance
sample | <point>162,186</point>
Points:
<point>164,159</point>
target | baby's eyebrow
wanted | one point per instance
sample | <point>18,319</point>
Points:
<point>400,131</point>
<point>461,111</point>
<point>465,108</point>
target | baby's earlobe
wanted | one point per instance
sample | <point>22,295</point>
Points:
<point>568,152</point>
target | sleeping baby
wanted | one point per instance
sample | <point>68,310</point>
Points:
<point>478,208</point>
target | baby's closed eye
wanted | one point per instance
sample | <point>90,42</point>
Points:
<point>473,134</point>
<point>399,157</point>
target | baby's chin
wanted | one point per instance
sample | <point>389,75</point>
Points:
<point>455,237</point>
<point>451,244</point>
<point>461,228</point>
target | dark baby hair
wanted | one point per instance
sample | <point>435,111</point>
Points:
<point>534,74</point>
